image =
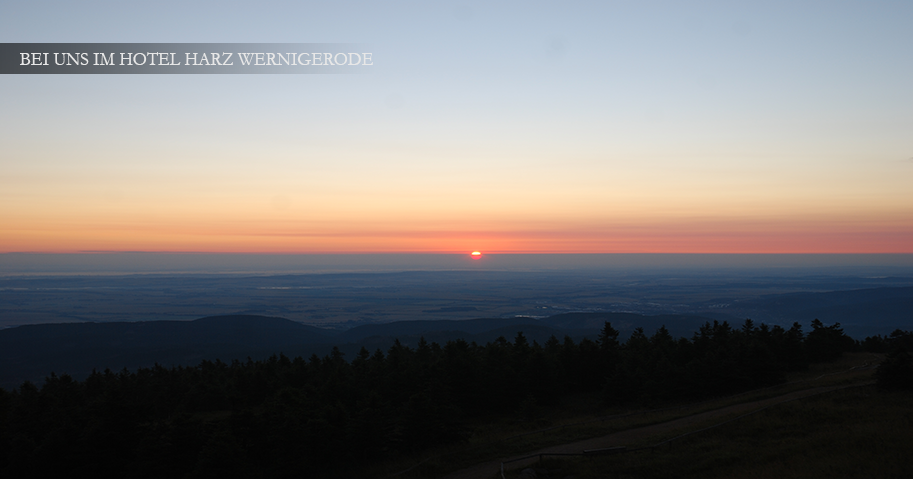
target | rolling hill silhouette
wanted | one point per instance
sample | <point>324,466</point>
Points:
<point>32,352</point>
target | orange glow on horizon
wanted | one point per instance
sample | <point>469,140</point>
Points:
<point>757,234</point>
<point>635,240</point>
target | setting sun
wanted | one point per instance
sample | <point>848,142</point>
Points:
<point>476,255</point>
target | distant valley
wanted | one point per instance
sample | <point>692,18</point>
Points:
<point>76,324</point>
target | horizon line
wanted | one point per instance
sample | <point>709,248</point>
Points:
<point>419,253</point>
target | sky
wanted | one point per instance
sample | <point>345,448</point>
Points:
<point>501,127</point>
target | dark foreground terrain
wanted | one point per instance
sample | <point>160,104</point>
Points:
<point>367,417</point>
<point>852,431</point>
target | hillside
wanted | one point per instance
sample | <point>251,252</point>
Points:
<point>32,352</point>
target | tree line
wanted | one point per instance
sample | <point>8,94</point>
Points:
<point>316,417</point>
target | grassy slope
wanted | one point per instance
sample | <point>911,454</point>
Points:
<point>858,432</point>
<point>495,438</point>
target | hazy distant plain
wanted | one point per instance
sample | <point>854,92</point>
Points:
<point>348,290</point>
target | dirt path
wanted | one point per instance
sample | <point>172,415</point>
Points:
<point>622,438</point>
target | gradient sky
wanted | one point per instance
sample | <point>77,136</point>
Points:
<point>599,127</point>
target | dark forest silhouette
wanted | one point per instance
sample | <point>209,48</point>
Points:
<point>285,417</point>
